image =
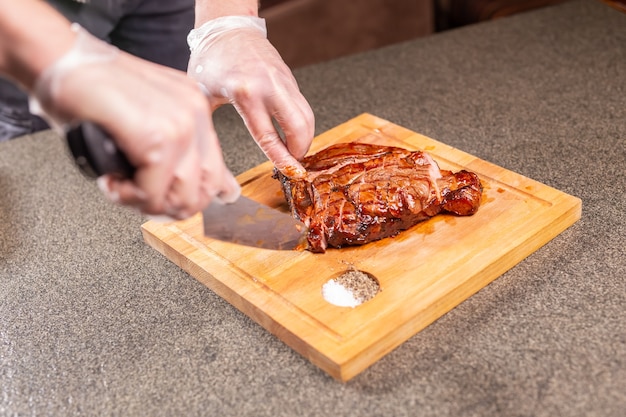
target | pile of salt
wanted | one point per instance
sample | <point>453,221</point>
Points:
<point>350,289</point>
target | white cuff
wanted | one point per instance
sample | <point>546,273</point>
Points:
<point>219,25</point>
<point>87,49</point>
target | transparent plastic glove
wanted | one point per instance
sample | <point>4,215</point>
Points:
<point>236,63</point>
<point>157,116</point>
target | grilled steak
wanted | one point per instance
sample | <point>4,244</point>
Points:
<point>355,193</point>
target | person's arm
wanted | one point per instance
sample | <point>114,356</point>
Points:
<point>210,9</point>
<point>26,30</point>
<point>158,116</point>
<point>232,58</point>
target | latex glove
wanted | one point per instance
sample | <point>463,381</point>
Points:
<point>236,63</point>
<point>157,116</point>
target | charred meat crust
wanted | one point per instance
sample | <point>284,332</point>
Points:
<point>355,193</point>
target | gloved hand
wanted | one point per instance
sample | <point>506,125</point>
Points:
<point>158,117</point>
<point>236,63</point>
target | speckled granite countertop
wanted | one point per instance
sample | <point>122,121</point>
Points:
<point>94,322</point>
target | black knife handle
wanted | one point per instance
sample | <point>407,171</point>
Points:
<point>95,152</point>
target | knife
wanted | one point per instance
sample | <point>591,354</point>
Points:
<point>244,222</point>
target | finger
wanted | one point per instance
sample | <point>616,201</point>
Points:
<point>259,123</point>
<point>156,170</point>
<point>216,179</point>
<point>293,114</point>
<point>122,191</point>
<point>183,199</point>
<point>231,189</point>
<point>270,142</point>
<point>296,120</point>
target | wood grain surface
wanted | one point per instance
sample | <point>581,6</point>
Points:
<point>423,273</point>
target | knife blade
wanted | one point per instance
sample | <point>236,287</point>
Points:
<point>246,222</point>
<point>243,222</point>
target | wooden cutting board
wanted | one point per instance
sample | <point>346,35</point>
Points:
<point>423,272</point>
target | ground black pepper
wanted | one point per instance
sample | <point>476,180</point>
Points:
<point>362,286</point>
